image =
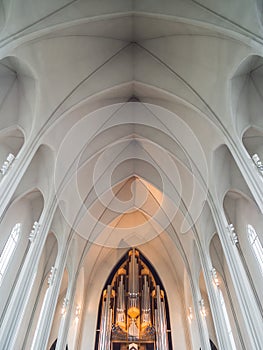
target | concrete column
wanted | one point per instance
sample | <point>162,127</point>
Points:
<point>251,317</point>
<point>65,321</point>
<point>215,305</point>
<point>13,315</point>
<point>44,324</point>
<point>201,321</point>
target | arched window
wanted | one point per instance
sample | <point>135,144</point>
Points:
<point>228,326</point>
<point>256,245</point>
<point>9,249</point>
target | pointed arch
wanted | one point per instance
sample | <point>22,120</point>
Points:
<point>141,318</point>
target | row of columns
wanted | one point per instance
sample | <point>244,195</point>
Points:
<point>18,303</point>
<point>251,317</point>
<point>23,287</point>
<point>25,282</point>
<point>21,295</point>
<point>215,305</point>
<point>250,313</point>
<point>201,324</point>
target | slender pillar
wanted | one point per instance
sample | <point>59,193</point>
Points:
<point>106,321</point>
<point>162,338</point>
<point>20,296</point>
<point>252,319</point>
<point>201,320</point>
<point>216,309</point>
<point>66,319</point>
<point>44,324</point>
<point>205,338</point>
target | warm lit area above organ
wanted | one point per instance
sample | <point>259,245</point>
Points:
<point>127,198</point>
<point>132,210</point>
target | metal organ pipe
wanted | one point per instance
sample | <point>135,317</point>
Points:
<point>120,317</point>
<point>133,296</point>
<point>133,275</point>
<point>145,304</point>
<point>162,339</point>
<point>106,321</point>
<point>133,308</point>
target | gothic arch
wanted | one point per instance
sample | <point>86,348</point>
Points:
<point>137,319</point>
<point>246,94</point>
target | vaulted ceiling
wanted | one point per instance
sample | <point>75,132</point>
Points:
<point>131,98</point>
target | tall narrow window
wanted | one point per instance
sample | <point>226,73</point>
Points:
<point>256,246</point>
<point>9,249</point>
<point>228,326</point>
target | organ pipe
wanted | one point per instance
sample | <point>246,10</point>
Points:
<point>133,309</point>
<point>133,275</point>
<point>120,312</point>
<point>145,303</point>
<point>162,338</point>
<point>106,321</point>
<point>133,297</point>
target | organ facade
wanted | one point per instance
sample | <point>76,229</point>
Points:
<point>133,310</point>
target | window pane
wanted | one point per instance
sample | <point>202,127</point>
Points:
<point>229,330</point>
<point>9,249</point>
<point>256,246</point>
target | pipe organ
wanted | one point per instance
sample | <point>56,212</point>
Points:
<point>133,313</point>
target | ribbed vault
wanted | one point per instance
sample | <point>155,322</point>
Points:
<point>128,116</point>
